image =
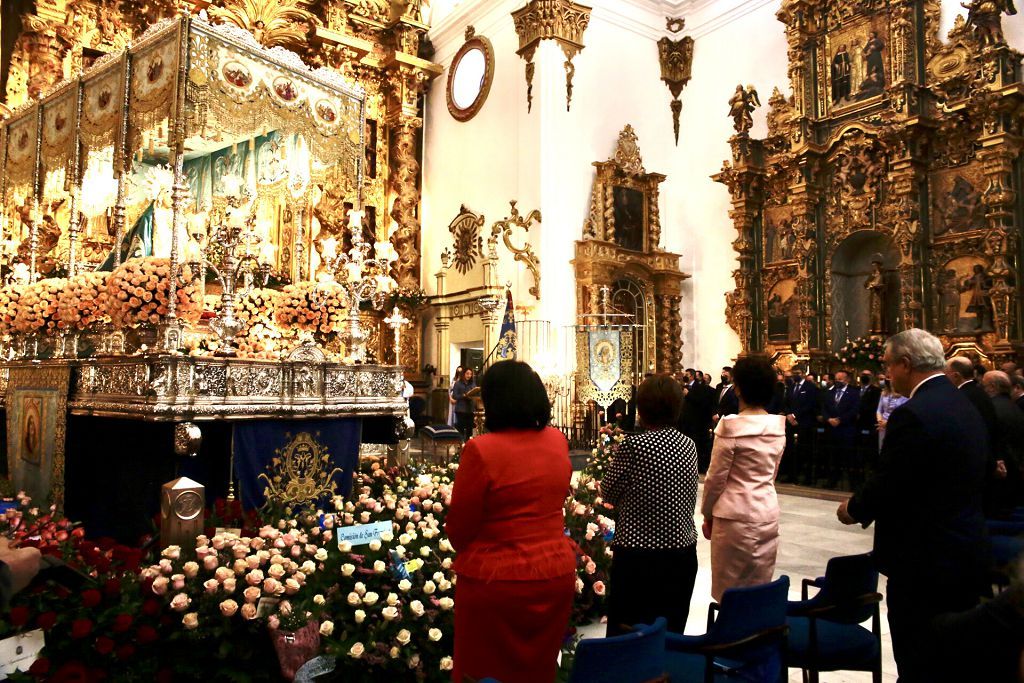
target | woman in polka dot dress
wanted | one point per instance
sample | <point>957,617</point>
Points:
<point>652,481</point>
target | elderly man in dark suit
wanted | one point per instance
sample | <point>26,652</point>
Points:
<point>839,411</point>
<point>961,372</point>
<point>801,421</point>
<point>1006,487</point>
<point>925,501</point>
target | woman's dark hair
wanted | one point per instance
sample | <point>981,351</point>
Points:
<point>659,400</point>
<point>514,397</point>
<point>466,369</point>
<point>755,381</point>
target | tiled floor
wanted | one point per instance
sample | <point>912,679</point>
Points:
<point>810,536</point>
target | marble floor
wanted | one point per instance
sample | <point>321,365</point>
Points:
<point>810,536</point>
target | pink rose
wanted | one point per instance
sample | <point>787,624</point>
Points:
<point>160,585</point>
<point>180,602</point>
<point>254,577</point>
<point>210,563</point>
<point>252,594</point>
<point>248,611</point>
<point>228,608</point>
<point>229,585</point>
<point>599,588</point>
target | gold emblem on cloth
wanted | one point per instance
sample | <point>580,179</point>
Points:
<point>300,472</point>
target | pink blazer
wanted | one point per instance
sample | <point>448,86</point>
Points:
<point>740,483</point>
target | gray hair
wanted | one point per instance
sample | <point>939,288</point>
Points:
<point>923,349</point>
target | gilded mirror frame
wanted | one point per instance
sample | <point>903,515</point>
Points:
<point>473,42</point>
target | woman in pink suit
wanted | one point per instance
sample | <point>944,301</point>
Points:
<point>740,506</point>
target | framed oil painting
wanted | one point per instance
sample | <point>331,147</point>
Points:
<point>857,64</point>
<point>630,217</point>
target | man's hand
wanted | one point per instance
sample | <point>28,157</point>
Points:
<point>1000,469</point>
<point>843,513</point>
<point>706,527</point>
<point>716,418</point>
<point>23,562</point>
<point>791,419</point>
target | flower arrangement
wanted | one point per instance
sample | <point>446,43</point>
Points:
<point>138,293</point>
<point>312,306</point>
<point>9,297</point>
<point>36,310</point>
<point>260,338</point>
<point>589,521</point>
<point>608,439</point>
<point>83,301</point>
<point>863,353</point>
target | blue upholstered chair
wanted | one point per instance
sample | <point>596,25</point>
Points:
<point>636,657</point>
<point>825,632</point>
<point>744,643</point>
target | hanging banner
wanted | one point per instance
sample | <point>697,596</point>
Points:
<point>604,357</point>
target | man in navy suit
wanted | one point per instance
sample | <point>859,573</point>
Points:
<point>801,422</point>
<point>840,412</point>
<point>925,501</point>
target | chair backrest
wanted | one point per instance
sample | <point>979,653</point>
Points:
<point>635,657</point>
<point>751,609</point>
<point>847,579</point>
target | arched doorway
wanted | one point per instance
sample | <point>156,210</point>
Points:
<point>851,301</point>
<point>629,298</point>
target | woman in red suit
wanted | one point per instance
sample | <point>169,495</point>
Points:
<point>515,566</point>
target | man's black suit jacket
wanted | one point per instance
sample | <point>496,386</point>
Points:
<point>802,402</point>
<point>982,402</point>
<point>698,407</point>
<point>845,409</point>
<point>925,499</point>
<point>867,410</point>
<point>728,402</point>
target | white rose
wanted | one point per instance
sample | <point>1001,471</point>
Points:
<point>390,613</point>
<point>444,545</point>
<point>348,569</point>
<point>446,603</point>
<point>447,563</point>
<point>403,637</point>
<point>354,599</point>
<point>447,664</point>
<point>417,608</point>
<point>434,634</point>
<point>429,587</point>
<point>190,620</point>
<point>319,599</point>
<point>360,616</point>
<point>379,567</point>
<point>327,628</point>
<point>392,599</point>
<point>356,651</point>
<point>387,537</point>
<point>404,585</point>
<point>374,545</point>
<point>405,539</point>
<point>370,598</point>
<point>425,551</point>
<point>321,554</point>
<point>360,588</point>
<point>394,652</point>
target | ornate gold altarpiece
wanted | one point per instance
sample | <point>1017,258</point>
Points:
<point>620,257</point>
<point>893,146</point>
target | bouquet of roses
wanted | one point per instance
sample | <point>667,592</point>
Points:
<point>864,353</point>
<point>9,297</point>
<point>312,306</point>
<point>260,337</point>
<point>589,521</point>
<point>608,440</point>
<point>83,301</point>
<point>37,307</point>
<point>138,293</point>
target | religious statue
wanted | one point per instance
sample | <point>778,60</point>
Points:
<point>949,301</point>
<point>841,74</point>
<point>778,322</point>
<point>962,209</point>
<point>874,68</point>
<point>742,106</point>
<point>48,236</point>
<point>792,308</point>
<point>986,16</point>
<point>979,285</point>
<point>875,284</point>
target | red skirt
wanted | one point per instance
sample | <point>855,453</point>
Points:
<point>511,630</point>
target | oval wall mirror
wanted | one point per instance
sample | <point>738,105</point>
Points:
<point>470,76</point>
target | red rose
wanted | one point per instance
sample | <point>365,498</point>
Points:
<point>80,628</point>
<point>72,672</point>
<point>146,634</point>
<point>46,620</point>
<point>105,645</point>
<point>19,616</point>
<point>151,608</point>
<point>112,588</point>
<point>40,667</point>
<point>125,651</point>
<point>122,622</point>
<point>91,598</point>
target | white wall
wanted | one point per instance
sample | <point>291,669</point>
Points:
<point>543,159</point>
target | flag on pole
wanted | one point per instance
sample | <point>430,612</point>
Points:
<point>508,341</point>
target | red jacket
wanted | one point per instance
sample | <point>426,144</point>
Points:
<point>506,518</point>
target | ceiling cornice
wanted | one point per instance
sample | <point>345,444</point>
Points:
<point>485,16</point>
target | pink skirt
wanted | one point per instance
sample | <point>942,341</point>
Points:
<point>742,554</point>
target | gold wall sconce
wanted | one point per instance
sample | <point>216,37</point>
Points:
<point>676,58</point>
<point>564,22</point>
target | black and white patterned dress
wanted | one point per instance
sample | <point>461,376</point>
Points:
<point>652,481</point>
